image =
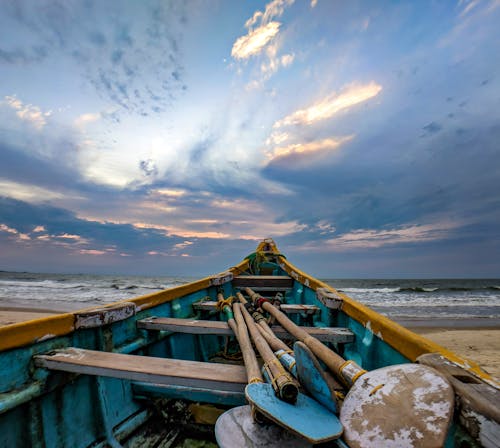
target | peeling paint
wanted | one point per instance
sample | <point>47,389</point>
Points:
<point>45,337</point>
<point>398,406</point>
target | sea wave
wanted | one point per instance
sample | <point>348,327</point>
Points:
<point>52,284</point>
<point>419,289</point>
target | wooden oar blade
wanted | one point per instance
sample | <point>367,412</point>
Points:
<point>407,405</point>
<point>237,428</point>
<point>306,418</point>
<point>313,378</point>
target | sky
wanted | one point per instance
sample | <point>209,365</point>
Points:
<point>169,137</point>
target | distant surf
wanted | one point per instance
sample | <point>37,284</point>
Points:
<point>398,299</point>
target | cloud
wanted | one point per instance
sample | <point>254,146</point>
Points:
<point>366,238</point>
<point>28,112</point>
<point>85,119</point>
<point>27,192</point>
<point>332,104</point>
<point>469,7</point>
<point>272,10</point>
<point>133,64</point>
<point>14,232</point>
<point>261,38</point>
<point>432,128</point>
<point>18,56</point>
<point>253,43</point>
<point>309,148</point>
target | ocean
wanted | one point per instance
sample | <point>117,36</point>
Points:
<point>397,299</point>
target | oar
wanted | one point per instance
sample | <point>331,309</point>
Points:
<point>303,365</point>
<point>281,350</point>
<point>240,331</point>
<point>283,383</point>
<point>236,428</point>
<point>295,417</point>
<point>407,404</point>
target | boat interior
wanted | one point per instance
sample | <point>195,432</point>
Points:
<point>158,370</point>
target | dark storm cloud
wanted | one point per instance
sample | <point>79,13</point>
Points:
<point>456,177</point>
<point>26,217</point>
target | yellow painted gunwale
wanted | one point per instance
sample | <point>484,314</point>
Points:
<point>36,330</point>
<point>406,342</point>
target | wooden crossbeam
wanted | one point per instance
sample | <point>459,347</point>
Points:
<point>194,326</point>
<point>205,375</point>
<point>264,282</point>
<point>286,308</point>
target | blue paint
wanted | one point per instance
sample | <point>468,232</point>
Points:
<point>312,377</point>
<point>296,417</point>
<point>38,407</point>
<point>190,393</point>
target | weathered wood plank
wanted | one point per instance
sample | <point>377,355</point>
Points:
<point>194,326</point>
<point>224,397</point>
<point>191,326</point>
<point>279,282</point>
<point>478,402</point>
<point>286,308</point>
<point>99,316</point>
<point>195,374</point>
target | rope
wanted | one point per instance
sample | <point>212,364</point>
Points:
<point>226,302</point>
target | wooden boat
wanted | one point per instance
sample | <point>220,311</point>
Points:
<point>156,369</point>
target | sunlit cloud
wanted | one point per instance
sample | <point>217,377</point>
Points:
<point>253,43</point>
<point>39,229</point>
<point>28,112</point>
<point>183,233</point>
<point>314,3</point>
<point>92,252</point>
<point>14,232</point>
<point>85,119</point>
<point>331,105</point>
<point>183,245</point>
<point>27,192</point>
<point>170,192</point>
<point>272,10</point>
<point>325,145</point>
<point>68,236</point>
<point>367,238</point>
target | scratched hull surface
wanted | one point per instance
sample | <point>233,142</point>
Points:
<point>45,403</point>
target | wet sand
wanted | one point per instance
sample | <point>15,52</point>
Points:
<point>475,339</point>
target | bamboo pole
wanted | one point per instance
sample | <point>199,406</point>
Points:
<point>348,371</point>
<point>283,383</point>
<point>237,324</point>
<point>258,317</point>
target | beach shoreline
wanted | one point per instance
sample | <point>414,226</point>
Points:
<point>475,339</point>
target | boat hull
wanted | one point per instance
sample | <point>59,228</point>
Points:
<point>44,407</point>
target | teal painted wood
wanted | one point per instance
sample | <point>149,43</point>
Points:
<point>306,418</point>
<point>65,415</point>
<point>312,377</point>
<point>217,397</point>
<point>287,361</point>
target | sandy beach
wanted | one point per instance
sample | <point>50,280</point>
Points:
<point>477,340</point>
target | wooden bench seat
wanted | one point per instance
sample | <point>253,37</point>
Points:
<point>194,326</point>
<point>291,308</point>
<point>172,372</point>
<point>264,282</point>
